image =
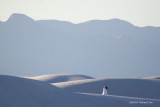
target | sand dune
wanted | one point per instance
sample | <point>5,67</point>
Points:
<point>54,78</point>
<point>154,77</point>
<point>22,92</point>
<point>142,88</point>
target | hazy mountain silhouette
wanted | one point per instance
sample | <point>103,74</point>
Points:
<point>102,48</point>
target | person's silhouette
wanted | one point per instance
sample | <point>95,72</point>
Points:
<point>105,88</point>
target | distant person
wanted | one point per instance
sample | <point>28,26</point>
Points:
<point>105,88</point>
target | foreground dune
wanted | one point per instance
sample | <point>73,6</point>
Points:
<point>54,78</point>
<point>22,92</point>
<point>142,88</point>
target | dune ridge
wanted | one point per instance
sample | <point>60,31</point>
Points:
<point>153,77</point>
<point>24,92</point>
<point>131,87</point>
<point>54,78</point>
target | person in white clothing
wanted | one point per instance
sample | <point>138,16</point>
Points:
<point>105,88</point>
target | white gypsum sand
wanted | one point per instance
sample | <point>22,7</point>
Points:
<point>23,92</point>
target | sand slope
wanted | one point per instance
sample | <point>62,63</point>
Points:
<point>22,92</point>
<point>154,77</point>
<point>54,78</point>
<point>142,88</point>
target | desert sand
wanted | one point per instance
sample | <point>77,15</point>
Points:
<point>27,92</point>
<point>54,78</point>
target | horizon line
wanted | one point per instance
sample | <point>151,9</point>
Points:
<point>72,22</point>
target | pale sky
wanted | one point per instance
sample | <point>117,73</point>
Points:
<point>138,12</point>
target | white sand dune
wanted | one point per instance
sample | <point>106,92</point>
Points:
<point>54,78</point>
<point>22,92</point>
<point>142,88</point>
<point>154,77</point>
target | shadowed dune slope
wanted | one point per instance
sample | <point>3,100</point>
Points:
<point>143,88</point>
<point>21,92</point>
<point>54,78</point>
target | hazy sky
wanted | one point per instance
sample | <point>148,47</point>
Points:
<point>138,12</point>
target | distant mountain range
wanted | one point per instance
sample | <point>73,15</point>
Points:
<point>99,48</point>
